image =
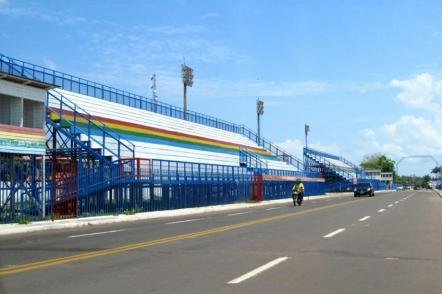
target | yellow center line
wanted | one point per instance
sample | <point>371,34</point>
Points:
<point>93,254</point>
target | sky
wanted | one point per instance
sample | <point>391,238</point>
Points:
<point>365,75</point>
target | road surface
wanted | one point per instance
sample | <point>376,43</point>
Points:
<point>390,243</point>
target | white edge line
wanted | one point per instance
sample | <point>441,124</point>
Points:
<point>272,208</point>
<point>258,270</point>
<point>184,221</point>
<point>334,233</point>
<point>364,218</point>
<point>97,233</point>
<point>238,213</point>
<point>381,210</point>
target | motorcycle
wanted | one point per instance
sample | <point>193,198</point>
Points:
<point>297,196</point>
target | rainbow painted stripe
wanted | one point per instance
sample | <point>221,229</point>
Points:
<point>141,133</point>
<point>22,140</point>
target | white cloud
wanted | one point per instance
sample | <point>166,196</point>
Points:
<point>421,92</point>
<point>49,63</point>
<point>413,134</point>
<point>209,16</point>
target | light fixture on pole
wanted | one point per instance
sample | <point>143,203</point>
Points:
<point>259,112</point>
<point>153,87</point>
<point>306,129</point>
<point>187,74</point>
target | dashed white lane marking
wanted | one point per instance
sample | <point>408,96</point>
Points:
<point>184,221</point>
<point>381,210</point>
<point>97,233</point>
<point>364,218</point>
<point>334,233</point>
<point>396,202</point>
<point>390,205</point>
<point>258,270</point>
<point>272,208</point>
<point>238,213</point>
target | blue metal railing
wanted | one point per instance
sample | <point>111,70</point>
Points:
<point>71,83</point>
<point>327,165</point>
<point>86,124</point>
<point>332,156</point>
<point>251,160</point>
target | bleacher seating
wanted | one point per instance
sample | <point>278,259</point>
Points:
<point>177,139</point>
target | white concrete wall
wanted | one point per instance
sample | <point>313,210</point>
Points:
<point>22,91</point>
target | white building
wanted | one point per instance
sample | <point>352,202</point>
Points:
<point>385,177</point>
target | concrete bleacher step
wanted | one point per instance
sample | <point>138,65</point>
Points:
<point>126,114</point>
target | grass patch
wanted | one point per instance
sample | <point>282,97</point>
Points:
<point>129,212</point>
<point>24,221</point>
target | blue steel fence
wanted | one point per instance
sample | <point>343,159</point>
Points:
<point>75,84</point>
<point>21,187</point>
<point>155,185</point>
<point>283,189</point>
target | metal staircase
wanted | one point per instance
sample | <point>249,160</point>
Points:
<point>320,162</point>
<point>86,155</point>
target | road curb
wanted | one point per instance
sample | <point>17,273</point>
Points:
<point>11,229</point>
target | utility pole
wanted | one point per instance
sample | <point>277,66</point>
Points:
<point>153,87</point>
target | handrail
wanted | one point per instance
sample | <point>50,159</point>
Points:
<point>279,152</point>
<point>99,124</point>
<point>251,160</point>
<point>327,164</point>
<point>75,84</point>
<point>332,156</point>
<point>104,132</point>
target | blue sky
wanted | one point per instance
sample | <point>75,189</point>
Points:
<point>366,75</point>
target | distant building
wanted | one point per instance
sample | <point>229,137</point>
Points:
<point>385,177</point>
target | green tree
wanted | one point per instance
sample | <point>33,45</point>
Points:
<point>436,170</point>
<point>378,161</point>
<point>426,181</point>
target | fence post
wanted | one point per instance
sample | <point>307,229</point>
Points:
<point>43,188</point>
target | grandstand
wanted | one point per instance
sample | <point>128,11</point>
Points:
<point>71,147</point>
<point>110,151</point>
<point>340,174</point>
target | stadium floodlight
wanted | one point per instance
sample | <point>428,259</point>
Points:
<point>259,112</point>
<point>306,130</point>
<point>187,75</point>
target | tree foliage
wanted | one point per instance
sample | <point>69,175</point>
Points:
<point>436,170</point>
<point>414,181</point>
<point>378,161</point>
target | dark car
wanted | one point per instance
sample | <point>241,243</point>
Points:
<point>363,189</point>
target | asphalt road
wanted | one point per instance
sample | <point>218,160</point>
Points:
<point>390,243</point>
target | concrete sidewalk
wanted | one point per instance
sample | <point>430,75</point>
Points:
<point>9,229</point>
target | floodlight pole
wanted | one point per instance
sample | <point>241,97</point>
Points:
<point>187,75</point>
<point>185,101</point>
<point>259,112</point>
<point>306,129</point>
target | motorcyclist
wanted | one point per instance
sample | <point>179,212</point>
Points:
<point>298,192</point>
